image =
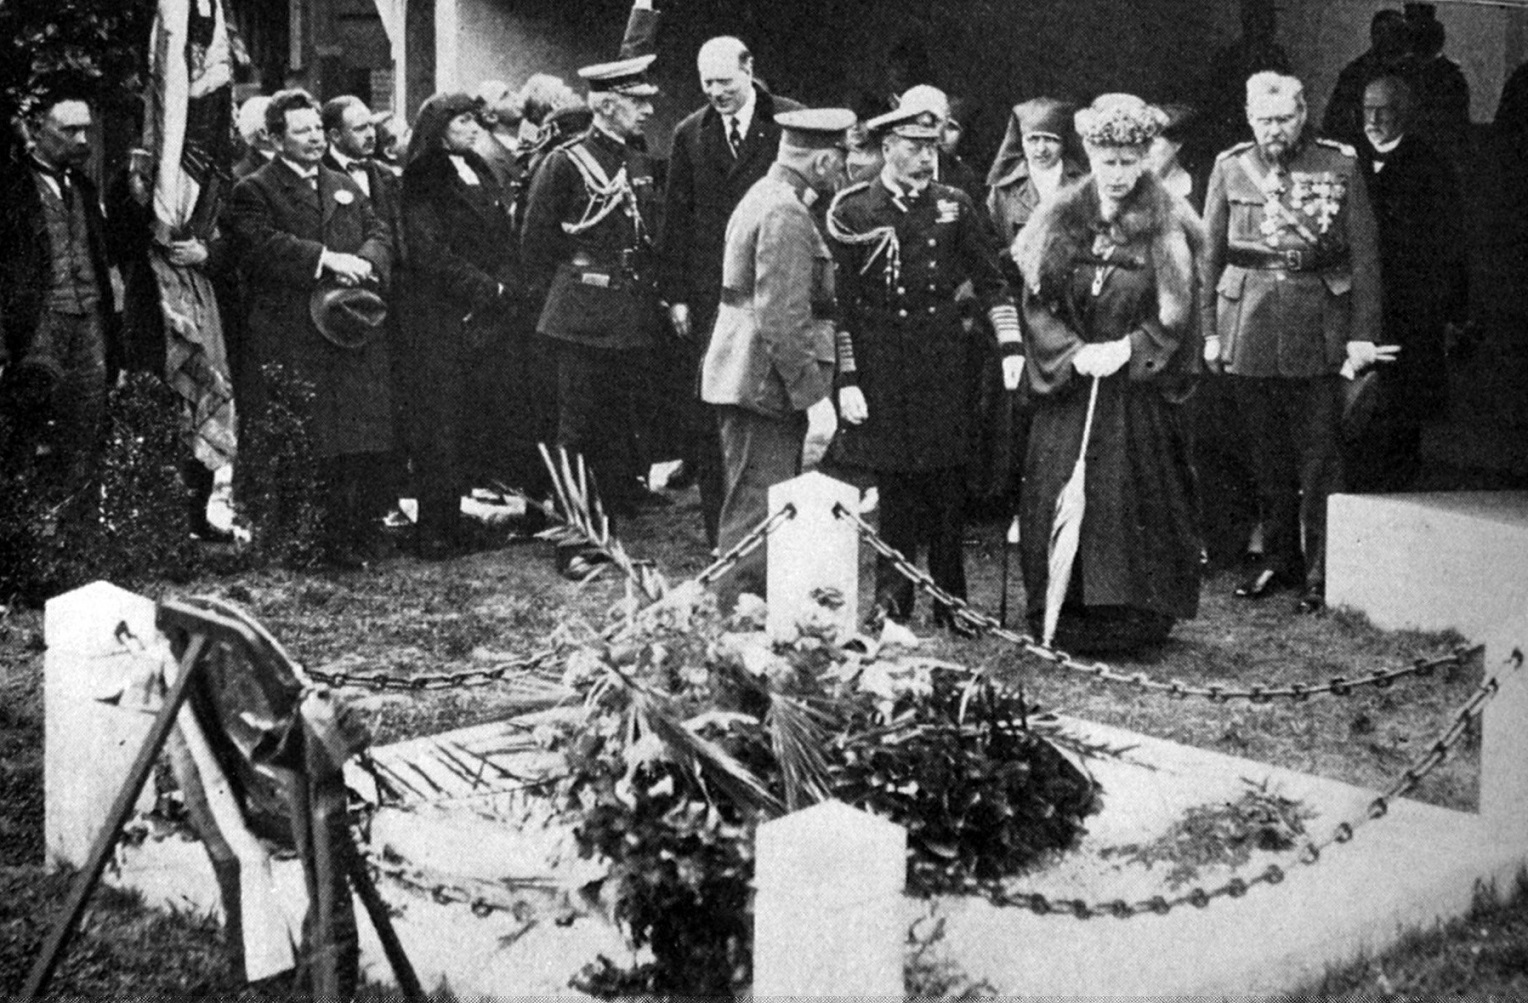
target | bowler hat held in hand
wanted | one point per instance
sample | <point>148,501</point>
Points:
<point>348,317</point>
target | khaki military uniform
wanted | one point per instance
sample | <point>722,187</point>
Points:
<point>1292,256</point>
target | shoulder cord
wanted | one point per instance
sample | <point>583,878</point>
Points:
<point>883,237</point>
<point>605,194</point>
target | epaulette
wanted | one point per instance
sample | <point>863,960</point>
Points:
<point>1236,150</point>
<point>1332,144</point>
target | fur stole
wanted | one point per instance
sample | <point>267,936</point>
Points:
<point>1061,233</point>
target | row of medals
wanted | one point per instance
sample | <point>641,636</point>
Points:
<point>1316,195</point>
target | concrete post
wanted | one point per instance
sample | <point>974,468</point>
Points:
<point>828,916</point>
<point>100,649</point>
<point>1504,738</point>
<point>814,554</point>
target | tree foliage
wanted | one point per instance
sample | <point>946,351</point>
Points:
<point>100,44</point>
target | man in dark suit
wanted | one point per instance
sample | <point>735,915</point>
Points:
<point>302,227</point>
<point>351,130</point>
<point>1424,271</point>
<point>717,154</point>
<point>56,303</point>
<point>498,141</point>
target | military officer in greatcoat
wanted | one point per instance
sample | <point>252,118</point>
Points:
<point>904,244</point>
<point>770,355</point>
<point>587,248</point>
<point>1292,256</point>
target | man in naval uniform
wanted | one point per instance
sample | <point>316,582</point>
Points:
<point>770,356</point>
<point>1293,259</point>
<point>905,244</point>
<point>587,250</point>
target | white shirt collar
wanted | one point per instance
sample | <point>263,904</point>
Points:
<point>744,115</point>
<point>1387,147</point>
<point>300,170</point>
<point>344,161</point>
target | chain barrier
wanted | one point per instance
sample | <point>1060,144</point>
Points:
<point>1308,855</point>
<point>1338,686</point>
<point>514,670</point>
<point>446,893</point>
<point>502,672</point>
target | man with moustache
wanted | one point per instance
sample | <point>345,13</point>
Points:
<point>303,228</point>
<point>717,154</point>
<point>56,304</point>
<point>905,244</point>
<point>587,251</point>
<point>771,355</point>
<point>1293,260</point>
<point>1425,270</point>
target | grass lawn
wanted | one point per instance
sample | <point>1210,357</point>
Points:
<point>405,617</point>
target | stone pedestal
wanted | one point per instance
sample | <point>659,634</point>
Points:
<point>1504,738</point>
<point>828,916</point>
<point>813,575</point>
<point>101,647</point>
<point>1429,561</point>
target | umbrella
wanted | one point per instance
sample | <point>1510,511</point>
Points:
<point>1066,531</point>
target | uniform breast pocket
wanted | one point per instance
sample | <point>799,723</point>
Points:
<point>1246,223</point>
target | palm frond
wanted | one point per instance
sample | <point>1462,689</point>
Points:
<point>579,519</point>
<point>708,762</point>
<point>798,735</point>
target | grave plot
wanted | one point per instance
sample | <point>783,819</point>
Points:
<point>489,888</point>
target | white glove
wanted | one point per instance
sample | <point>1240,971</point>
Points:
<point>1013,371</point>
<point>1103,359</point>
<point>1212,353</point>
<point>851,405</point>
<point>679,317</point>
<point>1362,354</point>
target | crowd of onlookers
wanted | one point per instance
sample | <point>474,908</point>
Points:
<point>512,268</point>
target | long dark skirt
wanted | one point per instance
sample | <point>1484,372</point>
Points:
<point>1139,545</point>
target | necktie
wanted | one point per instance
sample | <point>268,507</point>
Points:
<point>734,135</point>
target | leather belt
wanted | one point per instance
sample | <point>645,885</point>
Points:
<point>1294,259</point>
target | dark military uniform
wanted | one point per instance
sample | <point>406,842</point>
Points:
<point>900,261</point>
<point>1293,259</point>
<point>587,249</point>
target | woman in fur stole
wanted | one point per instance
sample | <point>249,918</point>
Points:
<point>1109,270</point>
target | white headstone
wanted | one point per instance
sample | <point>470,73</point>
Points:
<point>828,916</point>
<point>1504,737</point>
<point>1447,561</point>
<point>100,647</point>
<point>813,567</point>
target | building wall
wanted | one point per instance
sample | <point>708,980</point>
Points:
<point>991,52</point>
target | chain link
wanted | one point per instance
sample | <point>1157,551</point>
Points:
<point>502,672</point>
<point>1307,855</point>
<point>746,545</point>
<point>1339,686</point>
<point>512,671</point>
<point>445,893</point>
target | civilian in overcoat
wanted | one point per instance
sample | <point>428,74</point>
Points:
<point>458,308</point>
<point>300,226</point>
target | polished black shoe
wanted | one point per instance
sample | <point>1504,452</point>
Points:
<point>206,532</point>
<point>1260,584</point>
<point>958,627</point>
<point>1312,601</point>
<point>683,477</point>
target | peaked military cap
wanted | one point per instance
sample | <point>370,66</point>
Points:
<point>624,76</point>
<point>908,121</point>
<point>814,128</point>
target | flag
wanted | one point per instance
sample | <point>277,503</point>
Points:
<point>1066,531</point>
<point>188,134</point>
